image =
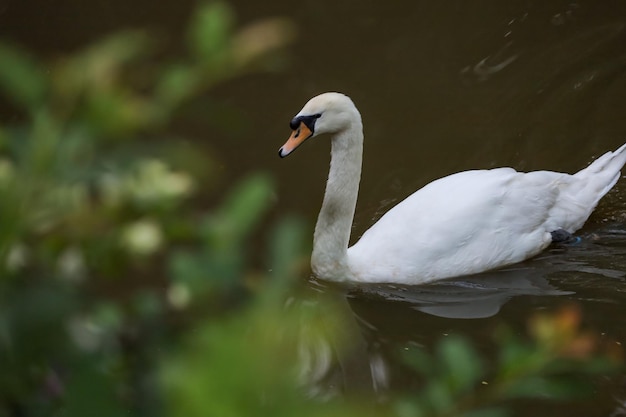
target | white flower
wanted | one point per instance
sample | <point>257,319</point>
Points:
<point>7,171</point>
<point>155,181</point>
<point>17,257</point>
<point>178,295</point>
<point>142,237</point>
<point>71,264</point>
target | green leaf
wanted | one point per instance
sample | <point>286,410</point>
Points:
<point>99,67</point>
<point>439,397</point>
<point>409,408</point>
<point>116,112</point>
<point>287,251</point>
<point>210,32</point>
<point>548,388</point>
<point>241,211</point>
<point>176,84</point>
<point>287,245</point>
<point>117,49</point>
<point>462,364</point>
<point>191,270</point>
<point>91,392</point>
<point>21,78</point>
<point>420,361</point>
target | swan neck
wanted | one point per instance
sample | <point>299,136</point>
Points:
<point>332,231</point>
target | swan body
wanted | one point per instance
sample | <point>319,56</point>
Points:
<point>465,223</point>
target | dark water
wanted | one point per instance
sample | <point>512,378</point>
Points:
<point>442,87</point>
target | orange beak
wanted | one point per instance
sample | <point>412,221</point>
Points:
<point>298,136</point>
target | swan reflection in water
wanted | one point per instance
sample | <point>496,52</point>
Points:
<point>472,297</point>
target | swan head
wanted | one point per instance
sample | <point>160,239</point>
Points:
<point>326,113</point>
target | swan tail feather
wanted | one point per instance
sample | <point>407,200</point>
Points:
<point>597,179</point>
<point>602,174</point>
<point>612,161</point>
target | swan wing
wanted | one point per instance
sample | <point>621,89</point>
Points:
<point>466,223</point>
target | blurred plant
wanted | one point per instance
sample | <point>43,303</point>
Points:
<point>556,366</point>
<point>102,244</point>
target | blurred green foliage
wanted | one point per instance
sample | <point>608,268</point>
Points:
<point>122,294</point>
<point>555,365</point>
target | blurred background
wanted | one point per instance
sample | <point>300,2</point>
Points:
<point>154,249</point>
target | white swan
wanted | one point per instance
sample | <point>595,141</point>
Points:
<point>465,223</point>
